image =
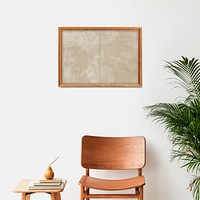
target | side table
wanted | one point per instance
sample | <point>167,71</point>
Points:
<point>22,187</point>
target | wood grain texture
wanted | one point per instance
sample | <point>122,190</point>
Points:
<point>23,188</point>
<point>102,184</point>
<point>112,153</point>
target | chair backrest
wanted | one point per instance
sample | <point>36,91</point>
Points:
<point>113,152</point>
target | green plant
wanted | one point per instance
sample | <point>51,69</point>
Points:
<point>182,118</point>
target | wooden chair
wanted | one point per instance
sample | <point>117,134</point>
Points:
<point>113,153</point>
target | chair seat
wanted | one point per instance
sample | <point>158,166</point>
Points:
<point>103,184</point>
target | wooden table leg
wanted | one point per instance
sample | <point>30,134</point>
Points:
<point>28,196</point>
<point>52,196</point>
<point>58,196</point>
<point>25,196</point>
<point>55,196</point>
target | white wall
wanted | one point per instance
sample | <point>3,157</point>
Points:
<point>40,121</point>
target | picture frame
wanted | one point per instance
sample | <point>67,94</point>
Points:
<point>99,56</point>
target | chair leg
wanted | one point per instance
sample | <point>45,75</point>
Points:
<point>87,191</point>
<point>141,193</point>
<point>82,192</point>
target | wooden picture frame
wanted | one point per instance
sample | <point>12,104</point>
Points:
<point>99,56</point>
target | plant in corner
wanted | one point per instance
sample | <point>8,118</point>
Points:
<point>182,118</point>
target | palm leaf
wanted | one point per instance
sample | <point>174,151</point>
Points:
<point>195,187</point>
<point>187,75</point>
<point>182,119</point>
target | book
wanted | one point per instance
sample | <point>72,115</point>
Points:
<point>32,186</point>
<point>38,183</point>
<point>54,180</point>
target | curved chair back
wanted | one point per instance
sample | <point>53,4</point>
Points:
<point>113,153</point>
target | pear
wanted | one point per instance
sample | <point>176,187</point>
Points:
<point>49,174</point>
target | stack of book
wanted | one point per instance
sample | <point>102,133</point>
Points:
<point>44,184</point>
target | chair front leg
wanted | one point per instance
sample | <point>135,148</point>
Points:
<point>87,190</point>
<point>82,193</point>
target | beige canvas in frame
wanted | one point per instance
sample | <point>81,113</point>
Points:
<point>100,56</point>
